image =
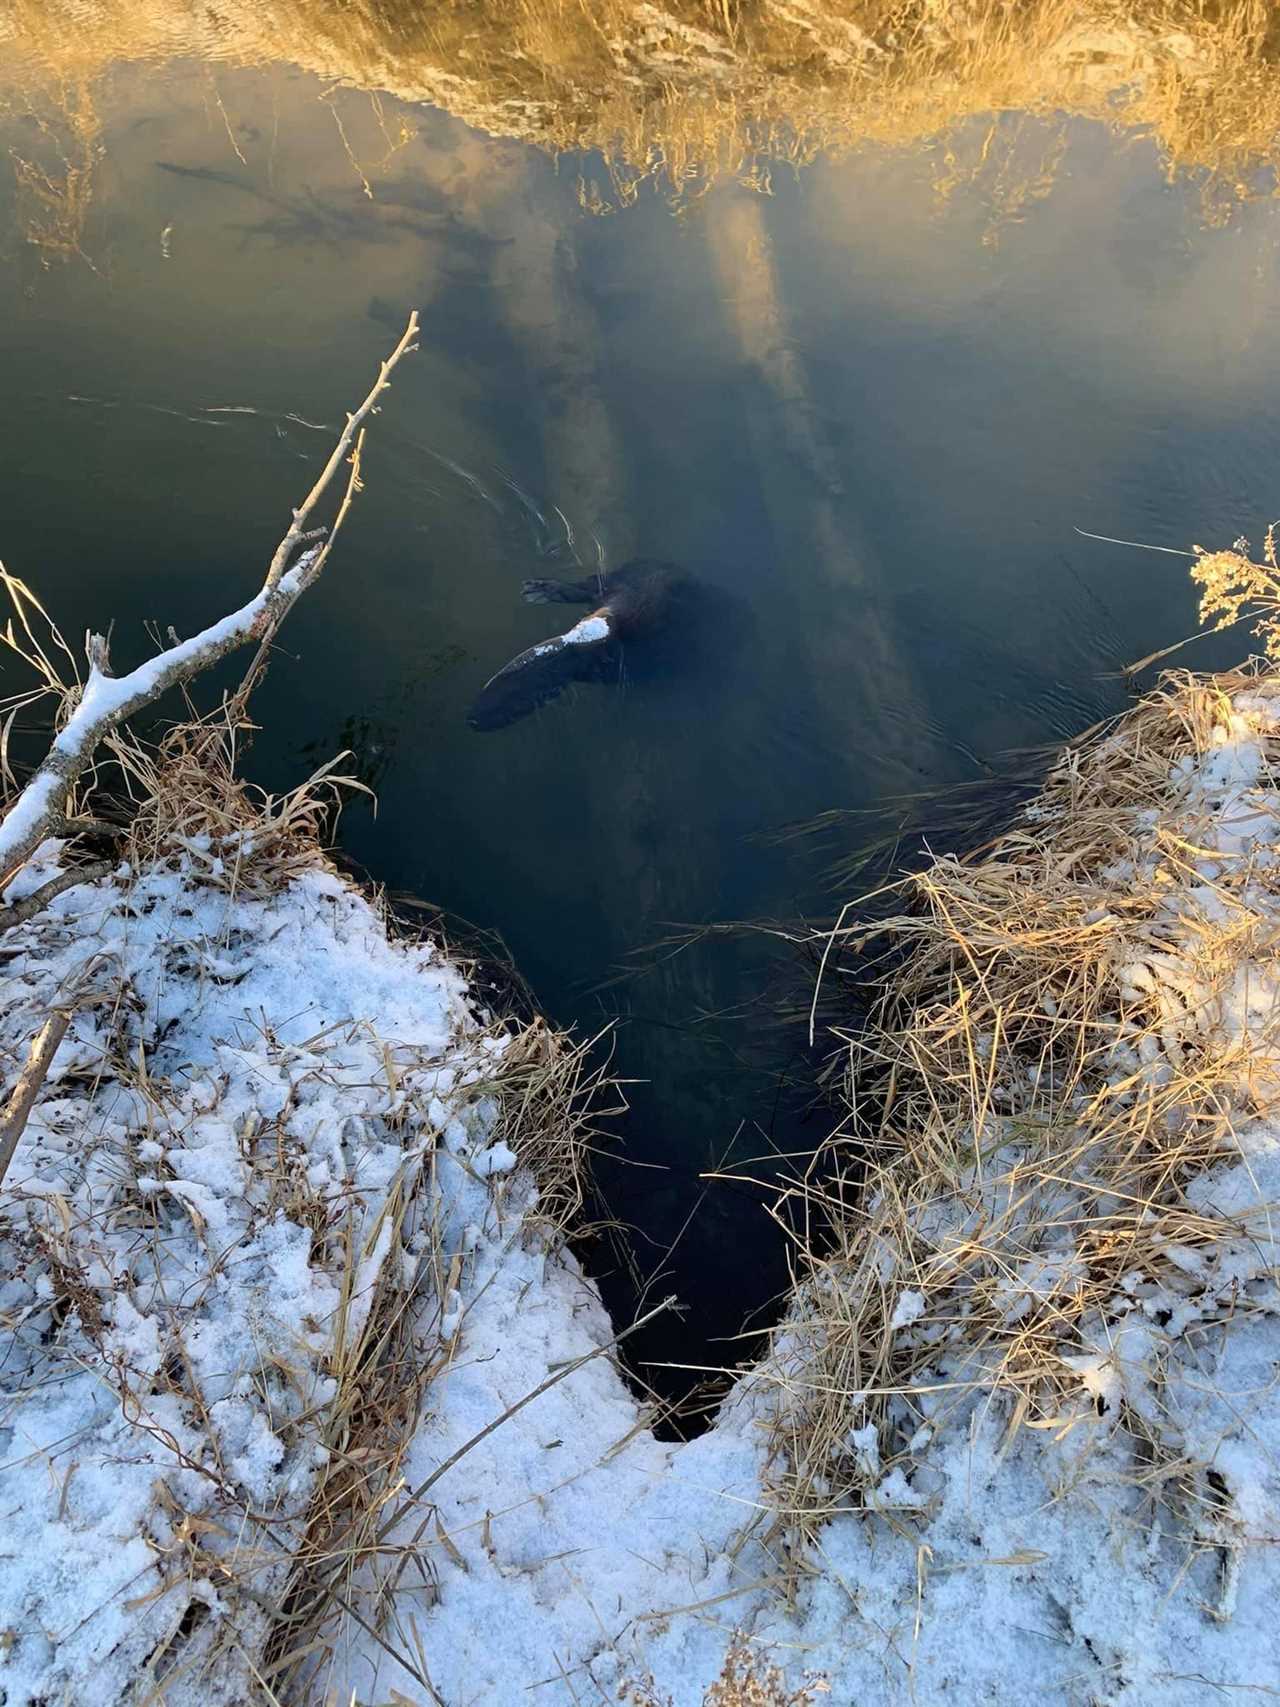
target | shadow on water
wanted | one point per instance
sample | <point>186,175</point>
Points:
<point>866,413</point>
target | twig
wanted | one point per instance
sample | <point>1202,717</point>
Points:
<point>44,1048</point>
<point>253,675</point>
<point>1168,651</point>
<point>85,826</point>
<point>107,701</point>
<point>560,1374</point>
<point>354,423</point>
<point>1138,544</point>
<point>30,905</point>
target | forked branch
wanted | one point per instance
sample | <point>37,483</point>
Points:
<point>13,1120</point>
<point>106,701</point>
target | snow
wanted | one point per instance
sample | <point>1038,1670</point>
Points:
<point>190,1183</point>
<point>498,1159</point>
<point>589,630</point>
<point>40,796</point>
<point>104,699</point>
<point>909,1308</point>
<point>560,1552</point>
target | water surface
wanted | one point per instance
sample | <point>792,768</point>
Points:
<point>869,416</point>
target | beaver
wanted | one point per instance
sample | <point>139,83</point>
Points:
<point>629,602</point>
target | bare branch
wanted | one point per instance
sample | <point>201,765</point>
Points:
<point>14,1120</point>
<point>253,675</point>
<point>354,423</point>
<point>86,826</point>
<point>107,701</point>
<point>34,903</point>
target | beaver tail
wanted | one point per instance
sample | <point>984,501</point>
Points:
<point>584,653</point>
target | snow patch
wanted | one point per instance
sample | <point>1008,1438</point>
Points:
<point>588,631</point>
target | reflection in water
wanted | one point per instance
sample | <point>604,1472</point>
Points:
<point>690,92</point>
<point>553,329</point>
<point>866,429</point>
<point>806,497</point>
<point>55,158</point>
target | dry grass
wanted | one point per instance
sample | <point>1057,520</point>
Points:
<point>1234,588</point>
<point>548,1094</point>
<point>747,1678</point>
<point>383,1362</point>
<point>1046,1069</point>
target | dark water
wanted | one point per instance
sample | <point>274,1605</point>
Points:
<point>868,419</point>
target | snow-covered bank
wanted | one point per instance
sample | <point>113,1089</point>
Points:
<point>229,1186</point>
<point>271,1165</point>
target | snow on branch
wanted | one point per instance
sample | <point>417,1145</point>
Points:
<point>106,700</point>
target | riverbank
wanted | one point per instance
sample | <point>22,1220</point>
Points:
<point>303,1397</point>
<point>268,1137</point>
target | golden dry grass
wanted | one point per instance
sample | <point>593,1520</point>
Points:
<point>1045,1072</point>
<point>1234,588</point>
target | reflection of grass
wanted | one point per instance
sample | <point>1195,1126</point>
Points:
<point>687,91</point>
<point>55,180</point>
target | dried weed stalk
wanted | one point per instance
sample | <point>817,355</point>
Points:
<point>350,1565</point>
<point>1234,587</point>
<point>1046,1069</point>
<point>747,1678</point>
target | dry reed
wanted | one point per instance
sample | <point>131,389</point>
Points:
<point>1046,1070</point>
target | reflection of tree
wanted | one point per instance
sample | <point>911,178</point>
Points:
<point>800,478</point>
<point>55,181</point>
<point>552,324</point>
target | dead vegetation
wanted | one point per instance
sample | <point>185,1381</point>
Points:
<point>290,1576</point>
<point>748,1678</point>
<point>1234,588</point>
<point>347,1566</point>
<point>1067,1033</point>
<point>90,712</point>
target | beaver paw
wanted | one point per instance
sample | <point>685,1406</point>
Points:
<point>541,592</point>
